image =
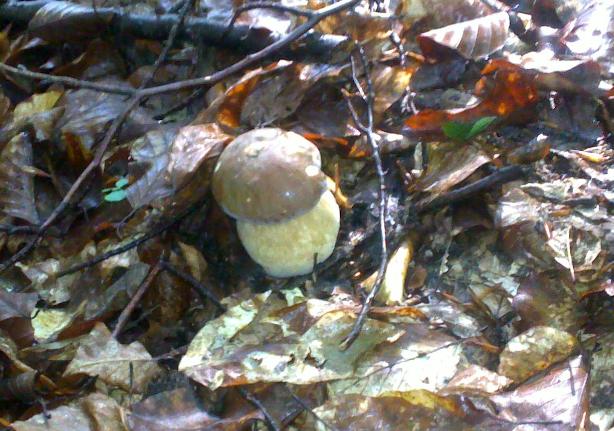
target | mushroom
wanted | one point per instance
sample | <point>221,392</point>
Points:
<point>270,181</point>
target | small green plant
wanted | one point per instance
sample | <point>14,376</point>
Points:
<point>466,131</point>
<point>116,193</point>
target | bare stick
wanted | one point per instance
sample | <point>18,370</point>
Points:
<point>187,5</point>
<point>252,59</point>
<point>132,244</point>
<point>68,81</point>
<point>269,419</point>
<point>367,131</point>
<point>500,176</point>
<point>202,291</point>
<point>153,26</point>
<point>125,315</point>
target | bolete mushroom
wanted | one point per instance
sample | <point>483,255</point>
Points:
<point>270,181</point>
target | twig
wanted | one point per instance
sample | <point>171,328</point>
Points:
<point>367,130</point>
<point>125,314</point>
<point>132,244</point>
<point>106,88</point>
<point>172,35</point>
<point>309,409</point>
<point>196,94</point>
<point>269,419</point>
<point>68,81</point>
<point>212,79</point>
<point>501,176</point>
<point>202,291</point>
<point>95,163</point>
<point>12,229</point>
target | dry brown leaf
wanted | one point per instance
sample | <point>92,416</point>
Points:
<point>472,39</point>
<point>16,182</point>
<point>181,410</point>
<point>128,367</point>
<point>95,412</point>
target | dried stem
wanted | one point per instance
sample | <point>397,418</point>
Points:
<point>269,419</point>
<point>68,81</point>
<point>198,287</point>
<point>132,244</point>
<point>500,176</point>
<point>367,130</point>
<point>125,315</point>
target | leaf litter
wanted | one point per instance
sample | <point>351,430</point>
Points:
<point>130,303</point>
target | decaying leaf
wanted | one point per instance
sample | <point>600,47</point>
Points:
<point>15,304</point>
<point>389,413</point>
<point>557,399</point>
<point>472,39</point>
<point>16,182</point>
<point>535,350</point>
<point>151,158</point>
<point>90,413</point>
<point>128,367</point>
<point>258,340</point>
<point>449,166</point>
<point>189,150</point>
<point>180,410</point>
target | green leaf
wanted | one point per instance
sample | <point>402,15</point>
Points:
<point>480,125</point>
<point>465,131</point>
<point>457,131</point>
<point>115,196</point>
<point>121,183</point>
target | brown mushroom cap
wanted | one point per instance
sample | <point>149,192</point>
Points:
<point>268,175</point>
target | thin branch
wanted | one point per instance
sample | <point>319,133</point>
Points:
<point>126,312</point>
<point>500,176</point>
<point>132,244</point>
<point>269,419</point>
<point>93,165</point>
<point>196,94</point>
<point>212,79</point>
<point>308,409</point>
<point>367,131</point>
<point>198,287</point>
<point>172,35</point>
<point>68,81</point>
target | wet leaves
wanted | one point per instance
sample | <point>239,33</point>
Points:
<point>472,39</point>
<point>128,367</point>
<point>496,303</point>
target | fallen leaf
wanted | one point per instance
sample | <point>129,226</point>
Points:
<point>128,367</point>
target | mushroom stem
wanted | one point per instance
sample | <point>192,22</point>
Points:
<point>287,248</point>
